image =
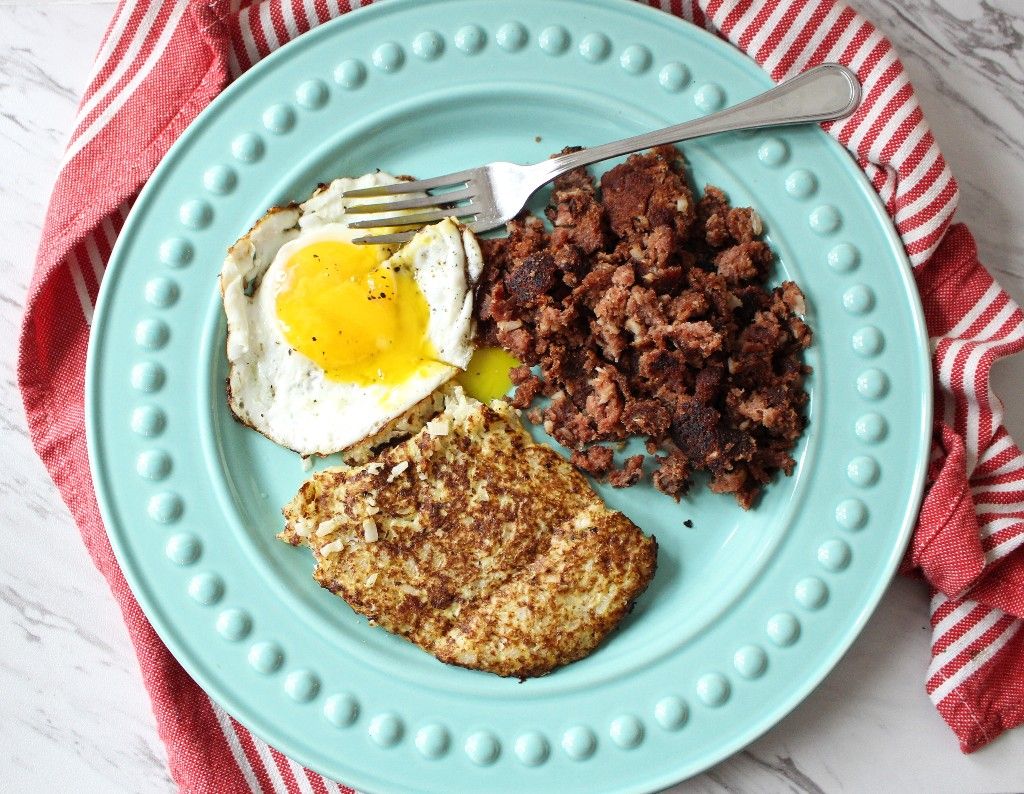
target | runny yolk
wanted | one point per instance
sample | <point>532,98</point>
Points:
<point>486,377</point>
<point>345,309</point>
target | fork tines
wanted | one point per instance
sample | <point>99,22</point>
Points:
<point>458,202</point>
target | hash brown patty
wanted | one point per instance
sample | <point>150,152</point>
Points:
<point>485,549</point>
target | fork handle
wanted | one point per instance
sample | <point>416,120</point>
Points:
<point>825,93</point>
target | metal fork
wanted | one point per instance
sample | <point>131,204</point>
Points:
<point>490,195</point>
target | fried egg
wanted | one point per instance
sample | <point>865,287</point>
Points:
<point>327,341</point>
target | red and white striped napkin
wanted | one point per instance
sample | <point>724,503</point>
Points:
<point>163,61</point>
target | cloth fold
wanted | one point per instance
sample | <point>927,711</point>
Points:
<point>162,61</point>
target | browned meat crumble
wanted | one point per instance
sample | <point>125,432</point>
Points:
<point>646,312</point>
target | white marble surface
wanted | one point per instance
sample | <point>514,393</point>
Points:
<point>73,714</point>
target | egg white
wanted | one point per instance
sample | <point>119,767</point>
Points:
<point>286,396</point>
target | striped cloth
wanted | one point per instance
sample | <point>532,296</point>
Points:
<point>163,61</point>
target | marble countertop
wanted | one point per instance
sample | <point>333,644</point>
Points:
<point>73,713</point>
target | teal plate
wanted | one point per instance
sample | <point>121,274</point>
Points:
<point>748,611</point>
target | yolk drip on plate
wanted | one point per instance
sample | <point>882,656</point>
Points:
<point>486,377</point>
<point>343,307</point>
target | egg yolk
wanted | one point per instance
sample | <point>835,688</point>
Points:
<point>346,309</point>
<point>486,377</point>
